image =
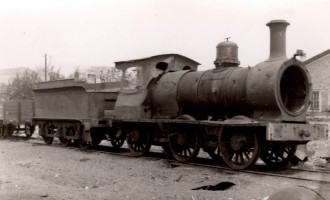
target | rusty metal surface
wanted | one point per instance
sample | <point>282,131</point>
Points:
<point>295,132</point>
<point>164,95</point>
<point>132,105</point>
<point>245,91</point>
<point>277,91</point>
<point>277,39</point>
<point>223,89</point>
<point>227,54</point>
<point>283,87</point>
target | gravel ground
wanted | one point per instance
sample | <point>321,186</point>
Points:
<point>32,171</point>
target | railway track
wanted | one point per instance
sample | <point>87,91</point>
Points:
<point>320,176</point>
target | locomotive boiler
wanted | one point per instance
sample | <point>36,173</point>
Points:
<point>277,89</point>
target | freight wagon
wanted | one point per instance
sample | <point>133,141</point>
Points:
<point>16,117</point>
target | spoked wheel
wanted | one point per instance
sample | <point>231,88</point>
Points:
<point>239,150</point>
<point>118,139</point>
<point>84,144</point>
<point>139,142</point>
<point>184,144</point>
<point>29,129</point>
<point>49,139</point>
<point>64,141</point>
<point>278,155</point>
<point>214,153</point>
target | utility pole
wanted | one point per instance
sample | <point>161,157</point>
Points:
<point>45,67</point>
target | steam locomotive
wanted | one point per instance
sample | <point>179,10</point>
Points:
<point>233,113</point>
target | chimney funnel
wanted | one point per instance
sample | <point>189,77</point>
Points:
<point>277,39</point>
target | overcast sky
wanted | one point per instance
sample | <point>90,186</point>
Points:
<point>99,32</point>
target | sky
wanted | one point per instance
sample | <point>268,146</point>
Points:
<point>84,33</point>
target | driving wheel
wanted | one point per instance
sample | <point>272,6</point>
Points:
<point>184,144</point>
<point>138,141</point>
<point>240,150</point>
<point>278,155</point>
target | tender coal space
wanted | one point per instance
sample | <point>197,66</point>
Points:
<point>217,187</point>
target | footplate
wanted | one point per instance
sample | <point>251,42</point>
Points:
<point>296,132</point>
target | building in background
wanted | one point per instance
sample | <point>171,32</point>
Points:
<point>319,68</point>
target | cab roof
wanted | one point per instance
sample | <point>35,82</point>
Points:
<point>176,62</point>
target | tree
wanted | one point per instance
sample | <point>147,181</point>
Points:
<point>21,87</point>
<point>78,75</point>
<point>54,74</point>
<point>101,73</point>
<point>105,74</point>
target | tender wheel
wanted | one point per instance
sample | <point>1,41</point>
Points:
<point>29,129</point>
<point>84,144</point>
<point>214,153</point>
<point>139,142</point>
<point>10,129</point>
<point>49,139</point>
<point>184,144</point>
<point>278,155</point>
<point>239,150</point>
<point>118,139</point>
<point>64,141</point>
<point>69,133</point>
<point>96,140</point>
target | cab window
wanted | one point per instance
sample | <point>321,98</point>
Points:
<point>133,78</point>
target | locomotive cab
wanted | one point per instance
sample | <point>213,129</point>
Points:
<point>137,77</point>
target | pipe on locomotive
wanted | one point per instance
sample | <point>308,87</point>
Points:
<point>277,89</point>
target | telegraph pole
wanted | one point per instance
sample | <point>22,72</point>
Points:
<point>45,67</point>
